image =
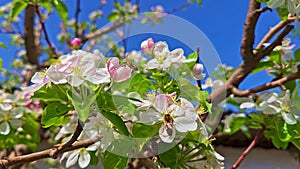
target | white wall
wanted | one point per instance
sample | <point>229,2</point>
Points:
<point>259,158</point>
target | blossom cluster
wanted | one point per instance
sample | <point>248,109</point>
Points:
<point>12,109</point>
<point>80,66</point>
<point>175,116</point>
<point>274,103</point>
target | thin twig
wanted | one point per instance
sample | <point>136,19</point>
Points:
<point>76,18</point>
<point>5,163</point>
<point>103,31</point>
<point>74,138</point>
<point>249,148</point>
<point>42,22</point>
<point>244,70</point>
<point>269,85</point>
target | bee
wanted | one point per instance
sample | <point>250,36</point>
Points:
<point>168,124</point>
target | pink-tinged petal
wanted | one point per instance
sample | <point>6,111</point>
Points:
<point>55,76</point>
<point>161,103</point>
<point>75,42</point>
<point>37,78</point>
<point>33,88</point>
<point>117,72</point>
<point>147,46</point>
<point>122,74</point>
<point>100,76</point>
<point>184,124</point>
<point>150,117</point>
<point>152,64</point>
<point>112,64</point>
<point>75,81</point>
<point>197,71</point>
<point>167,134</point>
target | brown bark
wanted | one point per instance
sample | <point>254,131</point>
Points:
<point>32,49</point>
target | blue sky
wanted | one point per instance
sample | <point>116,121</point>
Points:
<point>221,21</point>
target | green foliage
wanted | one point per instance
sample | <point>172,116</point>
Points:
<point>117,121</point>
<point>54,114</point>
<point>297,55</point>
<point>51,92</point>
<point>17,7</point>
<point>61,9</point>
<point>113,161</point>
<point>140,130</point>
<point>283,13</point>
<point>2,45</point>
<point>237,123</point>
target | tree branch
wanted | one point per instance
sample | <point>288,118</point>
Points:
<point>245,153</point>
<point>69,143</point>
<point>42,22</point>
<point>32,50</point>
<point>270,85</point>
<point>76,18</point>
<point>5,163</point>
<point>249,30</point>
<point>103,31</point>
<point>274,30</point>
<point>244,70</point>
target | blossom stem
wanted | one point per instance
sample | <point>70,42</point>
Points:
<point>249,148</point>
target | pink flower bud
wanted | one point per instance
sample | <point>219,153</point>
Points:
<point>117,72</point>
<point>147,46</point>
<point>197,71</point>
<point>75,43</point>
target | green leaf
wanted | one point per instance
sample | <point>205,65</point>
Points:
<point>17,7</point>
<point>297,55</point>
<point>203,95</point>
<point>2,45</point>
<point>113,161</point>
<point>117,121</point>
<point>53,114</point>
<point>262,66</point>
<point>291,86</point>
<point>193,58</point>
<point>140,130</point>
<point>1,64</point>
<point>169,158</point>
<point>113,16</point>
<point>61,9</point>
<point>51,92</point>
<point>236,123</point>
<point>31,127</point>
<point>283,13</point>
<point>296,143</point>
<point>188,90</point>
<point>82,106</point>
<point>199,2</point>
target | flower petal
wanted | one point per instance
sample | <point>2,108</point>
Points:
<point>4,128</point>
<point>247,105</point>
<point>165,135</point>
<point>72,159</point>
<point>150,117</point>
<point>183,124</point>
<point>84,159</point>
<point>289,118</point>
